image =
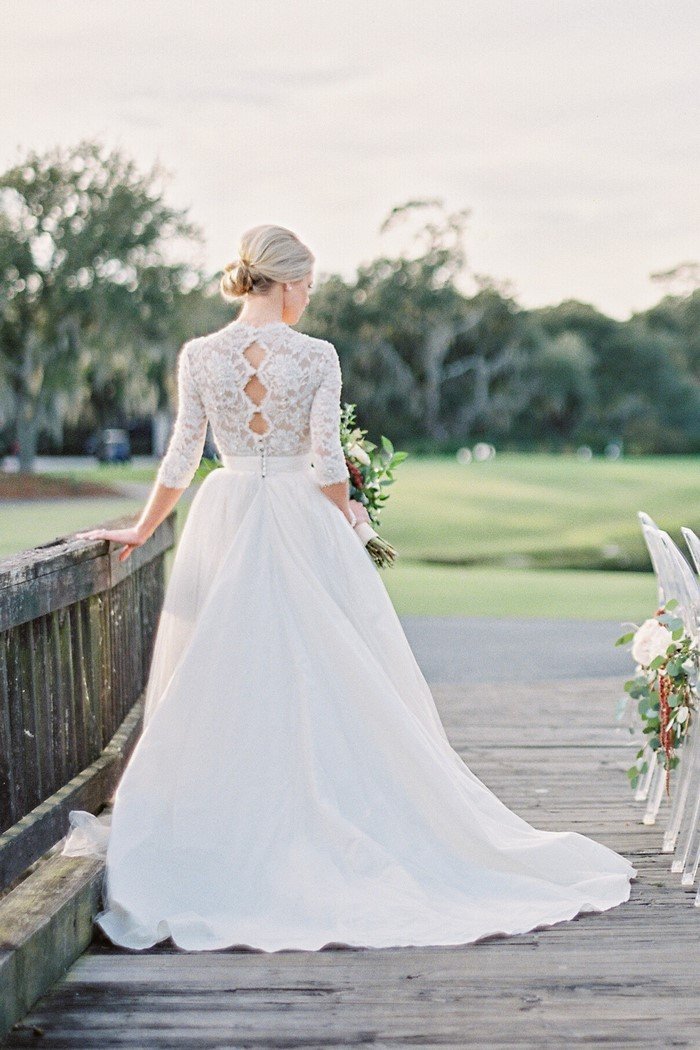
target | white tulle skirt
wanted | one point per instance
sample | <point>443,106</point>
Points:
<point>293,785</point>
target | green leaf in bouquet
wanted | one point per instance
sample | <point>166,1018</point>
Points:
<point>671,603</point>
<point>205,467</point>
<point>387,445</point>
<point>656,663</point>
<point>625,638</point>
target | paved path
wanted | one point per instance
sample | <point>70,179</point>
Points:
<point>484,649</point>
<point>624,978</point>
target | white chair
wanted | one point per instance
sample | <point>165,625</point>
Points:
<point>683,831</point>
<point>675,579</point>
<point>693,542</point>
<point>651,785</point>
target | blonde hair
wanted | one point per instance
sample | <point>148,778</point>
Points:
<point>266,254</point>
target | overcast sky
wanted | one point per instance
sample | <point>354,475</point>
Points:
<point>568,127</point>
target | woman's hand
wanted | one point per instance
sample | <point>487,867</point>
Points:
<point>359,510</point>
<point>131,538</point>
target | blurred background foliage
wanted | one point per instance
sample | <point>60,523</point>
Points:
<point>95,302</point>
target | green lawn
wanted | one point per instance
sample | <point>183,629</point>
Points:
<point>520,535</point>
<point>24,525</point>
<point>438,590</point>
<point>538,510</point>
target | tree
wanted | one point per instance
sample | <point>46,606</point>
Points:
<point>563,384</point>
<point>407,334</point>
<point>82,267</point>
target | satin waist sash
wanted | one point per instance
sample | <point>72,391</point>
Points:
<point>264,463</point>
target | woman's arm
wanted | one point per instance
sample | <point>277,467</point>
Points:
<point>328,456</point>
<point>339,493</point>
<point>176,469</point>
<point>160,502</point>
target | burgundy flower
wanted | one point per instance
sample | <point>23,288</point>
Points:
<point>355,475</point>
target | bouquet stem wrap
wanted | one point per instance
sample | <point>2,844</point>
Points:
<point>365,531</point>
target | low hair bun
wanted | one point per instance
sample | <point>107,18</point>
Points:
<point>267,255</point>
<point>237,280</point>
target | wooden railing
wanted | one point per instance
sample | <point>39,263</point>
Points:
<point>76,633</point>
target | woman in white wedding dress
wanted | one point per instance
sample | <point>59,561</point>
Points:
<point>293,785</point>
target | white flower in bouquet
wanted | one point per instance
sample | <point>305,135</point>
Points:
<point>358,453</point>
<point>652,639</point>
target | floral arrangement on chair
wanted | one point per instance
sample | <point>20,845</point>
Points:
<point>664,687</point>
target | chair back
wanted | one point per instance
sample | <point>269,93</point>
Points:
<point>693,542</point>
<point>675,577</point>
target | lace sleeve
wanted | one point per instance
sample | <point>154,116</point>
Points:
<point>187,441</point>
<point>327,451</point>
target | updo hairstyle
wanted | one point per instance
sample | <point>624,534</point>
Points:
<point>266,254</point>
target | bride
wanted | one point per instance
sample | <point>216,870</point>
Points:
<point>293,785</point>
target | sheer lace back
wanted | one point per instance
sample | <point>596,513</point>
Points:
<point>265,387</point>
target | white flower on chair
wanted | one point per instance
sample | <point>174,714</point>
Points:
<point>652,639</point>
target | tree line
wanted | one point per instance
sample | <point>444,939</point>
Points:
<point>94,306</point>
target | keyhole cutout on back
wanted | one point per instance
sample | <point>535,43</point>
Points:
<point>254,389</point>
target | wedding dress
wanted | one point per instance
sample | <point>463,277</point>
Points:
<point>293,785</point>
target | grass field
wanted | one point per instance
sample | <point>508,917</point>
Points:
<point>519,535</point>
<point>539,511</point>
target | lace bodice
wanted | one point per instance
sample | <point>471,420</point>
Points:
<point>268,386</point>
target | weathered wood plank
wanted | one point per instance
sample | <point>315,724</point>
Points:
<point>626,977</point>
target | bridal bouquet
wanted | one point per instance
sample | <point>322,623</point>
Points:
<point>371,470</point>
<point>664,687</point>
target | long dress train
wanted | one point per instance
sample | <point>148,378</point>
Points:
<point>293,785</point>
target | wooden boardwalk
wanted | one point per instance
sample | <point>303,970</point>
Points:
<point>629,977</point>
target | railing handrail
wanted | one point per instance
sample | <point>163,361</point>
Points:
<point>81,567</point>
<point>76,633</point>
